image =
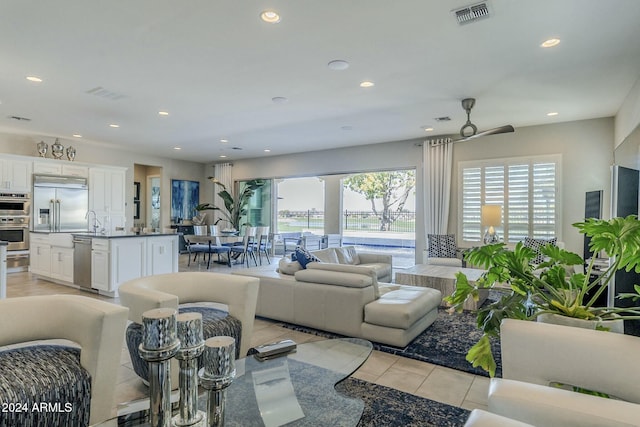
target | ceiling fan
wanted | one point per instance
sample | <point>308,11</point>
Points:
<point>470,131</point>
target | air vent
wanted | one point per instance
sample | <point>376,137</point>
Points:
<point>23,119</point>
<point>472,13</point>
<point>104,93</point>
<point>443,119</point>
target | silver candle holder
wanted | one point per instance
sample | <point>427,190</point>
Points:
<point>192,345</point>
<point>159,345</point>
<point>217,374</point>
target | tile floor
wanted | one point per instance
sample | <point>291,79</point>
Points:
<point>419,378</point>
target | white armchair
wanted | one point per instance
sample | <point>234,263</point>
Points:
<point>96,326</point>
<point>238,293</point>
<point>535,355</point>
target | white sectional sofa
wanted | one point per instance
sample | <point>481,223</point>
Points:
<point>348,299</point>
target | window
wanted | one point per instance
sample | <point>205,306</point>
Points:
<point>526,188</point>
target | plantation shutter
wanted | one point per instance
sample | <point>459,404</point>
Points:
<point>527,189</point>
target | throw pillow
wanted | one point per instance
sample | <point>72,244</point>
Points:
<point>442,246</point>
<point>304,257</point>
<point>288,266</point>
<point>537,245</point>
<point>348,255</point>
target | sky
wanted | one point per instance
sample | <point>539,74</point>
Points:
<point>299,194</point>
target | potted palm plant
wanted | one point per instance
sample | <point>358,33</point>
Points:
<point>553,287</point>
<point>235,208</point>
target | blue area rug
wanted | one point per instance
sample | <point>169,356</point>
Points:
<point>384,406</point>
<point>444,343</point>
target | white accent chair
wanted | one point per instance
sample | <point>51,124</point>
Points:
<point>238,294</point>
<point>535,355</point>
<point>96,326</point>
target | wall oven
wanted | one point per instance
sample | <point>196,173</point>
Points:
<point>15,204</point>
<point>15,231</point>
<point>14,227</point>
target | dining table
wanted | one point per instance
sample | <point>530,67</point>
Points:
<point>226,241</point>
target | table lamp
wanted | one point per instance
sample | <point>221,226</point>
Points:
<point>491,216</point>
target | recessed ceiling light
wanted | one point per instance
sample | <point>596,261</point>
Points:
<point>223,156</point>
<point>113,125</point>
<point>266,150</point>
<point>224,141</point>
<point>270,17</point>
<point>177,148</point>
<point>338,65</point>
<point>279,100</point>
<point>550,43</point>
<point>163,113</point>
<point>553,113</point>
<point>427,128</point>
<point>34,79</point>
<point>367,83</point>
<point>77,135</point>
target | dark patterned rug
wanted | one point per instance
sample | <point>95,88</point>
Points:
<point>444,343</point>
<point>384,406</point>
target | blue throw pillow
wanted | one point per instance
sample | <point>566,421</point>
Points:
<point>304,257</point>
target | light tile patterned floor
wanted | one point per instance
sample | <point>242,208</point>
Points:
<point>411,376</point>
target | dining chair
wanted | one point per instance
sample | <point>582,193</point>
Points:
<point>194,247</point>
<point>216,247</point>
<point>246,250</point>
<point>263,243</point>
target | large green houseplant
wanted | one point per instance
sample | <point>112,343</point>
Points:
<point>554,286</point>
<point>235,208</point>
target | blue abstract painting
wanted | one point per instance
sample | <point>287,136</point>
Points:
<point>185,196</point>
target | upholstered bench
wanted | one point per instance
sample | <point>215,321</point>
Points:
<point>48,375</point>
<point>410,303</point>
<point>399,312</point>
<point>215,322</point>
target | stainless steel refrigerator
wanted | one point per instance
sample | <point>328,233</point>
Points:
<point>60,203</point>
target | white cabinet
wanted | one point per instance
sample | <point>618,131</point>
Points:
<point>161,255</point>
<point>107,195</point>
<point>56,167</point>
<point>116,260</point>
<point>47,168</point>
<point>100,277</point>
<point>62,264</point>
<point>50,260</point>
<point>15,174</point>
<point>40,254</point>
<point>128,260</point>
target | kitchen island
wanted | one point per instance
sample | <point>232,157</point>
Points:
<point>115,258</point>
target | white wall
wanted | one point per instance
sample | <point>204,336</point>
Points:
<point>586,147</point>
<point>628,116</point>
<point>587,154</point>
<point>105,155</point>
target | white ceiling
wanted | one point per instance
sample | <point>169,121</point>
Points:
<point>215,67</point>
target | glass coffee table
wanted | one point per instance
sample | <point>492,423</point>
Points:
<point>292,390</point>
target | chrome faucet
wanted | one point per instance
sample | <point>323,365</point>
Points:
<point>96,223</point>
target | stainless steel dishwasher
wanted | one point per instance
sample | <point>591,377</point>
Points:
<point>82,261</point>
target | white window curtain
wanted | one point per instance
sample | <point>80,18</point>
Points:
<point>222,173</point>
<point>438,167</point>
